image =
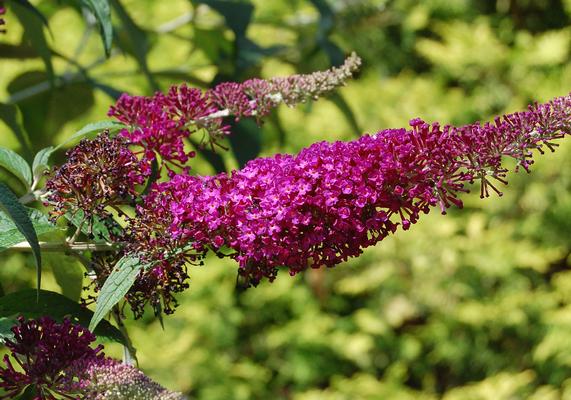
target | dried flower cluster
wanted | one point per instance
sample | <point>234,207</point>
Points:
<point>56,360</point>
<point>333,199</point>
<point>159,124</point>
<point>98,173</point>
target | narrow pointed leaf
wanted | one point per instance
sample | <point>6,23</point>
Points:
<point>68,273</point>
<point>17,212</point>
<point>246,140</point>
<point>34,35</point>
<point>35,11</point>
<point>10,234</point>
<point>134,41</point>
<point>102,12</point>
<point>90,128</point>
<point>12,117</point>
<point>41,161</point>
<point>115,287</point>
<point>15,164</point>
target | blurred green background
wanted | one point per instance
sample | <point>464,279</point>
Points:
<point>472,305</point>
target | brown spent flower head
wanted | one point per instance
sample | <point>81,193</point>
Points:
<point>98,173</point>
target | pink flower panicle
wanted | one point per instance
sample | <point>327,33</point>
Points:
<point>160,123</point>
<point>332,200</point>
<point>167,274</point>
<point>98,174</point>
<point>46,353</point>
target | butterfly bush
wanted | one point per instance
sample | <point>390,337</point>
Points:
<point>332,200</point>
<point>160,123</point>
<point>317,208</point>
<point>57,360</point>
<point>104,174</point>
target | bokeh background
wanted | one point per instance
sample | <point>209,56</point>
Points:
<point>472,305</point>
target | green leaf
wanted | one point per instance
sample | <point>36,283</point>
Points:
<point>41,161</point>
<point>12,117</point>
<point>11,161</point>
<point>344,107</point>
<point>68,273</point>
<point>246,140</point>
<point>237,14</point>
<point>6,324</point>
<point>47,111</point>
<point>29,394</point>
<point>10,235</point>
<point>134,41</point>
<point>56,306</point>
<point>97,229</point>
<point>9,202</point>
<point>115,287</point>
<point>92,127</point>
<point>213,158</point>
<point>34,35</point>
<point>34,10</point>
<point>102,12</point>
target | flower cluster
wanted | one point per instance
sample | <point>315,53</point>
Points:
<point>168,259</point>
<point>111,380</point>
<point>2,13</point>
<point>98,173</point>
<point>46,351</point>
<point>330,201</point>
<point>56,360</point>
<point>159,124</point>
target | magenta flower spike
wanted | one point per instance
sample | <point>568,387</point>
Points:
<point>332,200</point>
<point>160,123</point>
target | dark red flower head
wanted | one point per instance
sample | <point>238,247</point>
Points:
<point>43,354</point>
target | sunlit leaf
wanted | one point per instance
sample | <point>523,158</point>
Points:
<point>17,212</point>
<point>12,162</point>
<point>102,12</point>
<point>115,287</point>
